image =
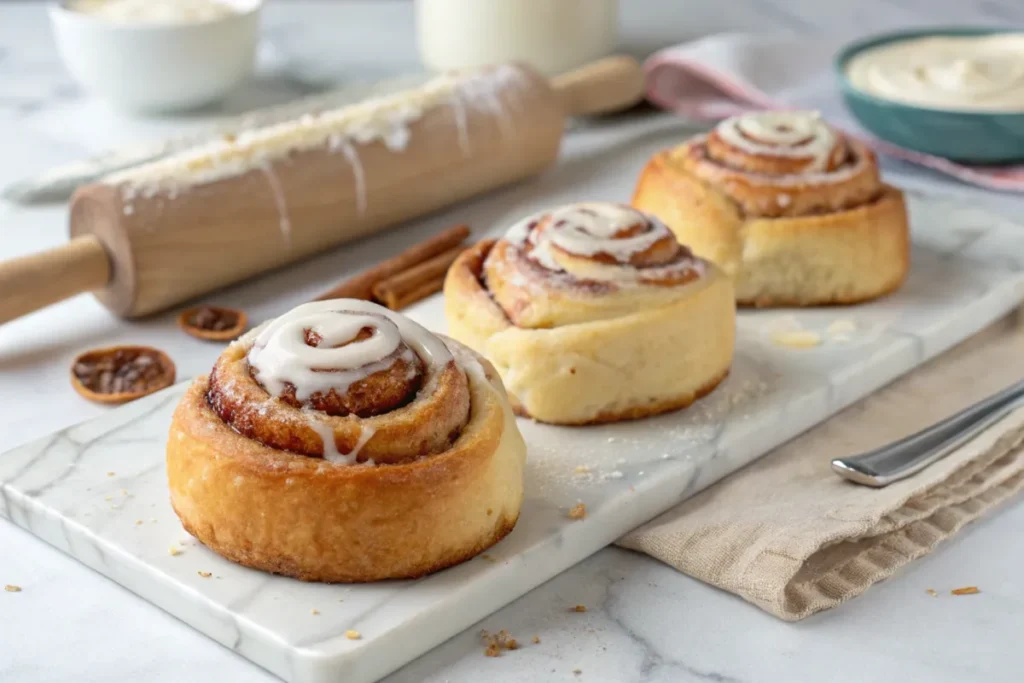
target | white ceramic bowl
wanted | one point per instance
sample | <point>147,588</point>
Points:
<point>158,67</point>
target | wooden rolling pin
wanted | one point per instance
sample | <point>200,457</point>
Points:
<point>151,237</point>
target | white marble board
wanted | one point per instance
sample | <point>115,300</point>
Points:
<point>97,490</point>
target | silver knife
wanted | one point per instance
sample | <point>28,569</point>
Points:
<point>59,183</point>
<point>911,454</point>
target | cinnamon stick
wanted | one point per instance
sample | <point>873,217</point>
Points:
<point>361,286</point>
<point>396,300</point>
<point>397,287</point>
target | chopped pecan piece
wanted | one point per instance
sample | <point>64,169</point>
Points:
<point>213,322</point>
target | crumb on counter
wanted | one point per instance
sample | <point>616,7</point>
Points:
<point>314,611</point>
<point>205,575</point>
<point>175,550</point>
<point>577,671</point>
<point>797,339</point>
<point>110,474</point>
<point>932,592</point>
<point>11,588</point>
<point>581,469</point>
<point>535,640</point>
<point>138,522</point>
<point>578,511</point>
<point>497,642</point>
<point>353,635</point>
<point>966,590</point>
<point>578,608</point>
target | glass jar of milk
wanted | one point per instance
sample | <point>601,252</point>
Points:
<point>551,35</point>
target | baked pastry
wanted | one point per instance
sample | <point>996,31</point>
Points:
<point>344,442</point>
<point>594,313</point>
<point>789,207</point>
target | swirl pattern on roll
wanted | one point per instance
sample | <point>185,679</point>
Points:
<point>783,164</point>
<point>608,255</point>
<point>593,313</point>
<point>348,381</point>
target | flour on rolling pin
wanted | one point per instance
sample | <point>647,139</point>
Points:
<point>384,119</point>
<point>267,195</point>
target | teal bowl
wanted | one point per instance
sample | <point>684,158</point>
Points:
<point>967,136</point>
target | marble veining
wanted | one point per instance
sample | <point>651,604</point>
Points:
<point>97,490</point>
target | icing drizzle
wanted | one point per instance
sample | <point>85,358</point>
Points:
<point>802,135</point>
<point>593,229</point>
<point>281,355</point>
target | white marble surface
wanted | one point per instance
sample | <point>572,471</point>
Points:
<point>646,622</point>
<point>98,491</point>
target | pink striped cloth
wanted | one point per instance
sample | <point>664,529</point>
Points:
<point>728,74</point>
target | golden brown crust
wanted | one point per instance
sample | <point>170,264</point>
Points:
<point>808,255</point>
<point>317,520</point>
<point>276,564</point>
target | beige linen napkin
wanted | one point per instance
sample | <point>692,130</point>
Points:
<point>793,538</point>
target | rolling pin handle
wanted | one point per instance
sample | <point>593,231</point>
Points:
<point>38,280</point>
<point>602,87</point>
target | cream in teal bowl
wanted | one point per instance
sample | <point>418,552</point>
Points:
<point>956,93</point>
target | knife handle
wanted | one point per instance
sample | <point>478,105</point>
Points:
<point>38,280</point>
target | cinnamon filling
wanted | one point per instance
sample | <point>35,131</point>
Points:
<point>585,250</point>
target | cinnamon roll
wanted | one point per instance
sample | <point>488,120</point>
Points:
<point>344,442</point>
<point>789,207</point>
<point>594,313</point>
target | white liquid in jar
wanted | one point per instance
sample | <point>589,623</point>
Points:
<point>551,35</point>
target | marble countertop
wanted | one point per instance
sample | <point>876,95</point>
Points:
<point>645,622</point>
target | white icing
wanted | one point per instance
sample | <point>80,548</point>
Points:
<point>461,126</point>
<point>277,192</point>
<point>970,73</point>
<point>281,356</point>
<point>326,434</point>
<point>855,164</point>
<point>387,119</point>
<point>787,134</point>
<point>331,452</point>
<point>358,175</point>
<point>589,229</point>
